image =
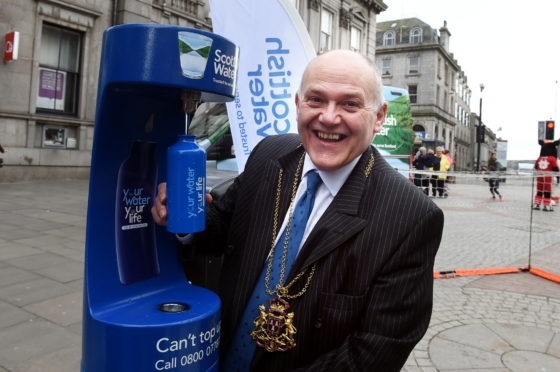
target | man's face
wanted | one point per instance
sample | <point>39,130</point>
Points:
<point>336,117</point>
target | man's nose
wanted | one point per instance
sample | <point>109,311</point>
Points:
<point>330,114</point>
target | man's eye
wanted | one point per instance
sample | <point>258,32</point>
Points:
<point>314,100</point>
<point>351,104</point>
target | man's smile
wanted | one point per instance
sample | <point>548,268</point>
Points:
<point>330,136</point>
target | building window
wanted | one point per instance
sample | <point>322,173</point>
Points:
<point>456,87</point>
<point>389,38</point>
<point>413,93</point>
<point>452,103</point>
<point>387,67</point>
<point>355,38</point>
<point>414,64</point>
<point>325,41</point>
<point>415,36</point>
<point>452,79</point>
<point>59,70</point>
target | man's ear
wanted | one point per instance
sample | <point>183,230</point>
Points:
<point>380,118</point>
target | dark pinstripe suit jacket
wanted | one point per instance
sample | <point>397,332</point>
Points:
<point>370,299</point>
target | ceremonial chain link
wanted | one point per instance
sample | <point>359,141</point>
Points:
<point>280,290</point>
<point>369,166</point>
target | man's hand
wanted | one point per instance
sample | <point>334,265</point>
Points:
<point>159,208</point>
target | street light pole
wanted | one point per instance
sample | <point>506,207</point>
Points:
<point>480,130</point>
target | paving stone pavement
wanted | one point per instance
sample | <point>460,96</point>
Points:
<point>505,322</point>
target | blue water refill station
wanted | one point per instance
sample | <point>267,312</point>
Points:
<point>140,312</point>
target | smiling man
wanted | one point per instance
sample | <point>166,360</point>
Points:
<point>340,108</point>
<point>354,292</point>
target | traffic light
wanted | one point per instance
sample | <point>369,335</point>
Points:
<point>480,133</point>
<point>549,130</point>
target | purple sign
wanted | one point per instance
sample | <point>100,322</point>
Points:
<point>51,83</point>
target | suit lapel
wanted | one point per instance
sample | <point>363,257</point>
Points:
<point>340,221</point>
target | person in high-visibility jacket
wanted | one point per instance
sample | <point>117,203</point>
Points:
<point>444,165</point>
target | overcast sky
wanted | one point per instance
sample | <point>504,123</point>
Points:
<point>510,47</point>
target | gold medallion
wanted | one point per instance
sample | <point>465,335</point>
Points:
<point>274,329</point>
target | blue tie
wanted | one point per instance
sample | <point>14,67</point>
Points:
<point>243,347</point>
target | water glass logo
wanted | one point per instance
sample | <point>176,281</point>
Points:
<point>194,50</point>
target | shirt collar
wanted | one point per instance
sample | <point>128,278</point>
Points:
<point>334,179</point>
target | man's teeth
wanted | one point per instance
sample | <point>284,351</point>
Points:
<point>329,136</point>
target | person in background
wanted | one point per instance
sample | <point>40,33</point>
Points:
<point>546,163</point>
<point>359,294</point>
<point>444,166</point>
<point>432,164</point>
<point>493,179</point>
<point>421,180</point>
<point>451,160</point>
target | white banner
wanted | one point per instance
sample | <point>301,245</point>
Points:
<point>274,50</point>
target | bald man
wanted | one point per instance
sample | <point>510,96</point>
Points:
<point>358,296</point>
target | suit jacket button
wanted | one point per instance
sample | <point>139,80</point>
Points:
<point>318,323</point>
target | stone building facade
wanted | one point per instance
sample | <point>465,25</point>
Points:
<point>413,55</point>
<point>48,95</point>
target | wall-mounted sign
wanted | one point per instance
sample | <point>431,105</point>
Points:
<point>11,46</point>
<point>51,89</point>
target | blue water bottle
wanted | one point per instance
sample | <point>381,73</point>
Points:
<point>186,186</point>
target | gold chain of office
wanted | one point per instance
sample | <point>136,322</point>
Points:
<point>274,329</point>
